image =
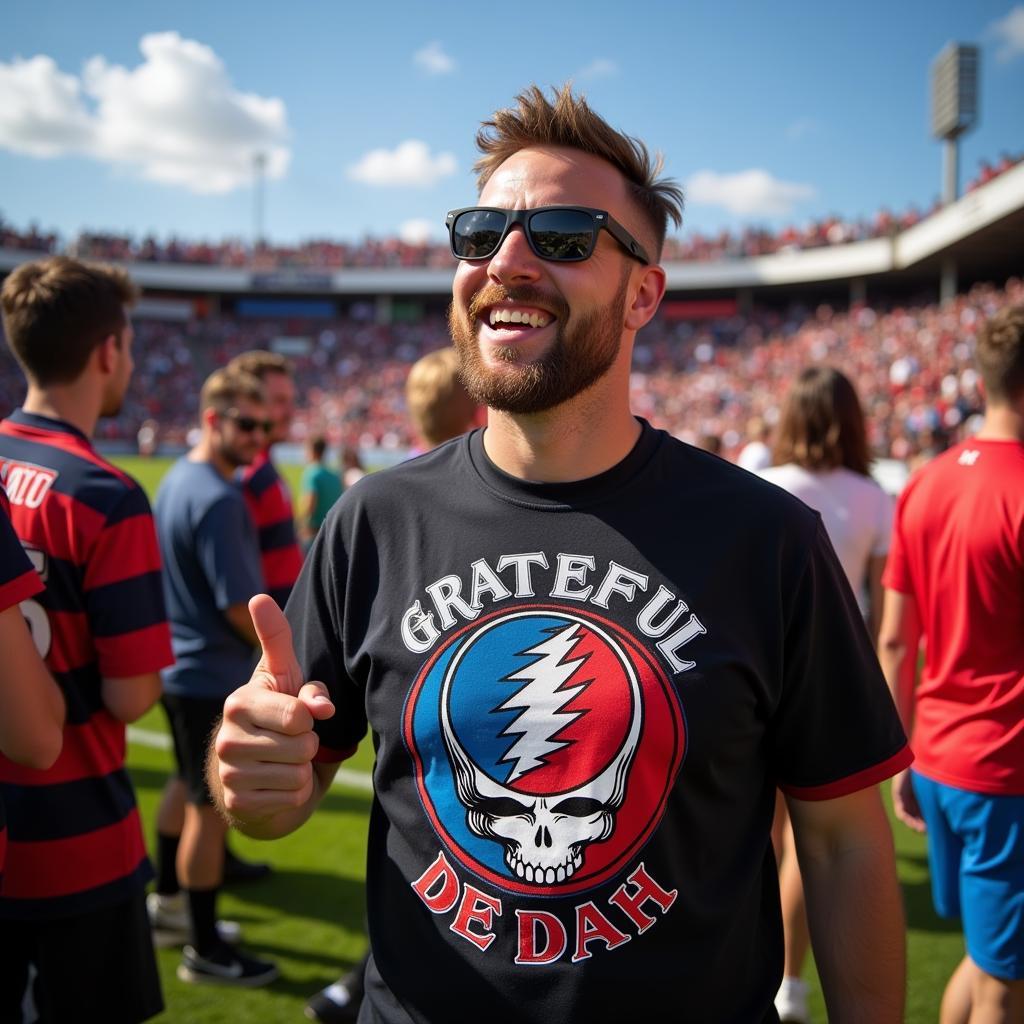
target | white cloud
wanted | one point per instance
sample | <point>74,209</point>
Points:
<point>418,231</point>
<point>1009,32</point>
<point>600,67</point>
<point>176,118</point>
<point>433,60</point>
<point>747,193</point>
<point>410,163</point>
<point>800,128</point>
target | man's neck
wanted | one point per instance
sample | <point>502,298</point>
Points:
<point>206,452</point>
<point>579,439</point>
<point>1002,423</point>
<point>69,404</point>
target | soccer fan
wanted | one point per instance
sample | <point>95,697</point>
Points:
<point>588,654</point>
<point>440,409</point>
<point>72,905</point>
<point>31,704</point>
<point>211,570</point>
<point>821,457</point>
<point>319,489</point>
<point>955,580</point>
<point>266,493</point>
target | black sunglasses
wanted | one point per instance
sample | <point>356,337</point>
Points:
<point>248,423</point>
<point>563,234</point>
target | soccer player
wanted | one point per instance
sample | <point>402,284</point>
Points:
<point>266,493</point>
<point>588,654</point>
<point>212,569</point>
<point>955,579</point>
<point>72,904</point>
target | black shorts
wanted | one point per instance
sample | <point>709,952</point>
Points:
<point>192,722</point>
<point>97,966</point>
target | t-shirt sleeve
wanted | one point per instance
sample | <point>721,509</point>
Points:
<point>883,536</point>
<point>315,611</point>
<point>123,592</point>
<point>18,580</point>
<point>835,729</point>
<point>228,553</point>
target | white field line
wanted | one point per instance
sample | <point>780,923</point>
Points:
<point>161,741</point>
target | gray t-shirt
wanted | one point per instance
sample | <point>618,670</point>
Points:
<point>211,561</point>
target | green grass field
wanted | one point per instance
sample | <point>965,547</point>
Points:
<point>308,915</point>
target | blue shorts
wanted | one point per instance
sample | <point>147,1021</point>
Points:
<point>976,854</point>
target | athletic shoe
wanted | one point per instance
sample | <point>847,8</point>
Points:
<point>238,871</point>
<point>225,965</point>
<point>169,919</point>
<point>791,1002</point>
<point>335,1004</point>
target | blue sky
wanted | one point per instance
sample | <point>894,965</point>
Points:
<point>770,113</point>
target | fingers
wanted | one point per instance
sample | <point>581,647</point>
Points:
<point>317,701</point>
<point>278,660</point>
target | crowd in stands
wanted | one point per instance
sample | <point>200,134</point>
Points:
<point>325,254</point>
<point>911,366</point>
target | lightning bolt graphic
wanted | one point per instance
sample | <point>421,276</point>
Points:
<point>542,700</point>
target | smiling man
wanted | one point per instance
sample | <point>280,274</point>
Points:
<point>587,653</point>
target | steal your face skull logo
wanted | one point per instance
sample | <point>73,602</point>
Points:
<point>546,741</point>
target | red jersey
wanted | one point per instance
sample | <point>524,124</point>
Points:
<point>75,842</point>
<point>18,582</point>
<point>958,550</point>
<point>270,505</point>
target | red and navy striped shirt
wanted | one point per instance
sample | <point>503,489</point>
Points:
<point>270,505</point>
<point>74,838</point>
<point>18,582</point>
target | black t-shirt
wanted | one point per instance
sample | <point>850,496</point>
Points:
<point>582,698</point>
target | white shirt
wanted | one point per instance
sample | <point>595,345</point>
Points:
<point>856,512</point>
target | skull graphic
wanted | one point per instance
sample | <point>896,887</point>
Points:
<point>546,833</point>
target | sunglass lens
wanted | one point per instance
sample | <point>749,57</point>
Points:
<point>477,233</point>
<point>563,234</point>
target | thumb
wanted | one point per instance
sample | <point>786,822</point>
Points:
<point>317,701</point>
<point>275,635</point>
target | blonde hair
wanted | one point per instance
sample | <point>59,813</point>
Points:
<point>224,387</point>
<point>438,403</point>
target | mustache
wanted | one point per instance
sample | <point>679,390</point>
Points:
<point>526,295</point>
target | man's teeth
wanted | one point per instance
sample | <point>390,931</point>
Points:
<point>513,316</point>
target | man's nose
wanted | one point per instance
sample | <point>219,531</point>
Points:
<point>514,262</point>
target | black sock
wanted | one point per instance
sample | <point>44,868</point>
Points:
<point>166,870</point>
<point>202,905</point>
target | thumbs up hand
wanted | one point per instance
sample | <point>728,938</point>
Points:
<point>260,766</point>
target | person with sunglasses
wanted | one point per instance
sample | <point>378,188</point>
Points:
<point>588,654</point>
<point>211,569</point>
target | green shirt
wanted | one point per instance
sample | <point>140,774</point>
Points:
<point>326,485</point>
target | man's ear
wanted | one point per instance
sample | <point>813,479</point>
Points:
<point>647,293</point>
<point>106,353</point>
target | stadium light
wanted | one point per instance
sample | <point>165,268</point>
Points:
<point>954,107</point>
<point>259,167</point>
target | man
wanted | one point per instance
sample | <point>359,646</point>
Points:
<point>72,904</point>
<point>588,654</point>
<point>266,493</point>
<point>955,580</point>
<point>212,569</point>
<point>440,409</point>
<point>319,489</point>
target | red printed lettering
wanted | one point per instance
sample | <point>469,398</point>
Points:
<point>441,878</point>
<point>480,908</point>
<point>532,948</point>
<point>646,889</point>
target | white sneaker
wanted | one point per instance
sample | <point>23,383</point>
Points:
<point>791,1002</point>
<point>169,919</point>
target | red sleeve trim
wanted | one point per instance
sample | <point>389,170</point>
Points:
<point>851,783</point>
<point>21,588</point>
<point>332,755</point>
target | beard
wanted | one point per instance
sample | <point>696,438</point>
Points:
<point>580,354</point>
<point>234,455</point>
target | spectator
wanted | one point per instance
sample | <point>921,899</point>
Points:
<point>319,489</point>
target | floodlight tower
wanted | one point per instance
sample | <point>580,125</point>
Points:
<point>259,169</point>
<point>954,108</point>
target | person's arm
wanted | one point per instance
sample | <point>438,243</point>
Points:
<point>854,908</point>
<point>307,509</point>
<point>899,642</point>
<point>241,622</point>
<point>32,707</point>
<point>876,566</point>
<point>129,698</point>
<point>260,766</point>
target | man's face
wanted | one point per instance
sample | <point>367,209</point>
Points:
<point>117,384</point>
<point>239,434</point>
<point>280,392</point>
<point>517,367</point>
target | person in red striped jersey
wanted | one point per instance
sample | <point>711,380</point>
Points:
<point>266,493</point>
<point>31,704</point>
<point>72,903</point>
